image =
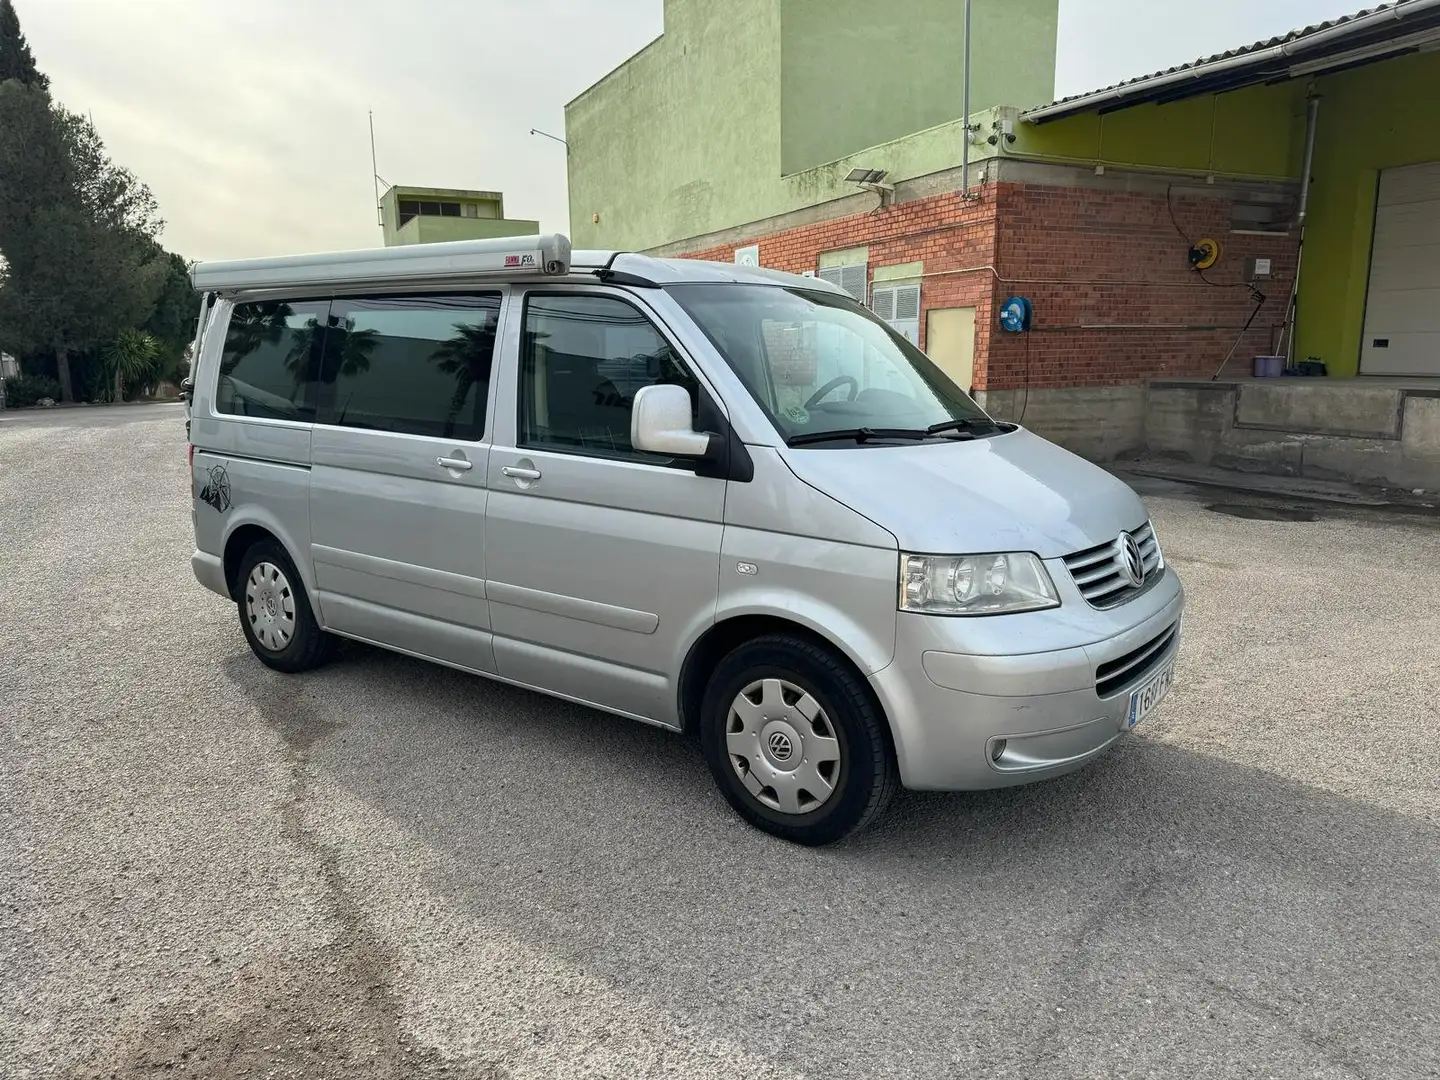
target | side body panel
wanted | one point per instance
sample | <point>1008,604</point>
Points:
<point>246,470</point>
<point>598,569</point>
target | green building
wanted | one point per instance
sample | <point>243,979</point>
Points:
<point>753,109</point>
<point>421,215</point>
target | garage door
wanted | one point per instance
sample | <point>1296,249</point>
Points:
<point>1402,311</point>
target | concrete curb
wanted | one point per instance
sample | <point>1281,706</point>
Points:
<point>1287,487</point>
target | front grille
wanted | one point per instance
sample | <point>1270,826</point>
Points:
<point>1099,572</point>
<point>1114,676</point>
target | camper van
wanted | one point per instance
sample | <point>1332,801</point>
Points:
<point>720,499</point>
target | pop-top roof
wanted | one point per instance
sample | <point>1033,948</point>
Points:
<point>1371,34</point>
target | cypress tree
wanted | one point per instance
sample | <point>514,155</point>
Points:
<point>16,59</point>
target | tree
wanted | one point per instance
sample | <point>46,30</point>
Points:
<point>172,323</point>
<point>133,358</point>
<point>77,233</point>
<point>16,60</point>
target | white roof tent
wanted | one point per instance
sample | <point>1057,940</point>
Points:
<point>1378,33</point>
<point>510,258</point>
<point>507,256</point>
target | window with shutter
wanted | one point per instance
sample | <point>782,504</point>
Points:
<point>852,279</point>
<point>899,305</point>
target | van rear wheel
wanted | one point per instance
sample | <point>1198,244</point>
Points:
<point>275,613</point>
<point>796,741</point>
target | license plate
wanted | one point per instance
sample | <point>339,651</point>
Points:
<point>1144,699</point>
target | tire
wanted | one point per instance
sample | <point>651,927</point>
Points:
<point>800,700</point>
<point>275,613</point>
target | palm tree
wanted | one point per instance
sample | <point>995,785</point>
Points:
<point>132,357</point>
<point>467,356</point>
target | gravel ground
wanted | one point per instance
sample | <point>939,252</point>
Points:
<point>389,869</point>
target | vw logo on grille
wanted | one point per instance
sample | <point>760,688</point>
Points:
<point>1132,564</point>
<point>780,746</point>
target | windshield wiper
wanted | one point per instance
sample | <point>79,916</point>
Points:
<point>968,423</point>
<point>860,435</point>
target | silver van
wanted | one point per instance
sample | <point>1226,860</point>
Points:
<point>722,500</point>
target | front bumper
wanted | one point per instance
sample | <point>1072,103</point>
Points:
<point>948,709</point>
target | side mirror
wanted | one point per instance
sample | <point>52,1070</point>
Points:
<point>660,423</point>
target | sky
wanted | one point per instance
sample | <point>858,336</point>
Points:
<point>250,120</point>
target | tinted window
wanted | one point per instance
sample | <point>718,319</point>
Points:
<point>419,365</point>
<point>268,366</point>
<point>583,359</point>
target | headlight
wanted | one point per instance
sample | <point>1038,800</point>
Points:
<point>975,584</point>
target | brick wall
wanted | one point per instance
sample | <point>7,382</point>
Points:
<point>947,232</point>
<point>1115,300</point>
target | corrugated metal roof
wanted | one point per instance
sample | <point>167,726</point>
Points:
<point>1293,37</point>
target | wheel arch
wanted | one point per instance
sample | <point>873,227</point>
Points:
<point>724,636</point>
<point>245,535</point>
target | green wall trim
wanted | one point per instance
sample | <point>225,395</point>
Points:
<point>903,273</point>
<point>844,257</point>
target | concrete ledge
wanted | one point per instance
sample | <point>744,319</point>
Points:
<point>1317,407</point>
<point>1337,431</point>
<point>1100,423</point>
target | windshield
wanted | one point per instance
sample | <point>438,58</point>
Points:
<point>817,362</point>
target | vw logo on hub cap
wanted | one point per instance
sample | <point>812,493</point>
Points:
<point>1132,565</point>
<point>780,746</point>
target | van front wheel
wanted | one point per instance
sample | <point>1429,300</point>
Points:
<point>275,612</point>
<point>796,741</point>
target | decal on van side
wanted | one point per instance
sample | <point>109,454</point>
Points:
<point>217,491</point>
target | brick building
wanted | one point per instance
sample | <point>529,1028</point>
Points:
<point>1116,301</point>
<point>1301,174</point>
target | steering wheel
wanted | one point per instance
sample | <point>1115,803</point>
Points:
<point>839,380</point>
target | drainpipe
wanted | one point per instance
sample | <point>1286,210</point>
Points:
<point>965,113</point>
<point>1312,114</point>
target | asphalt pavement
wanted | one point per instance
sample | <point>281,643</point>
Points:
<point>390,869</point>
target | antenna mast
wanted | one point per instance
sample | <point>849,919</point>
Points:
<point>375,171</point>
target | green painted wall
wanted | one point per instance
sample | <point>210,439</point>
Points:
<point>692,134</point>
<point>491,221</point>
<point>854,73</point>
<point>1371,118</point>
<point>1254,132</point>
<point>438,230</point>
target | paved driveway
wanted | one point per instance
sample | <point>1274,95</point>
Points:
<point>388,869</point>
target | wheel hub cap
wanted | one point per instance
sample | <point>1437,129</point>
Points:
<point>270,606</point>
<point>782,746</point>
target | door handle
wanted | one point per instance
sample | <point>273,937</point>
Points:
<point>519,472</point>
<point>458,463</point>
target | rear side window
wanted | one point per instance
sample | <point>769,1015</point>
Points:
<point>267,368</point>
<point>419,365</point>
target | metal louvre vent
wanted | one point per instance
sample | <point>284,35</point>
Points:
<point>1115,676</point>
<point>1102,573</point>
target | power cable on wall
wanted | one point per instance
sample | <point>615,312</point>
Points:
<point>1255,294</point>
<point>1026,403</point>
